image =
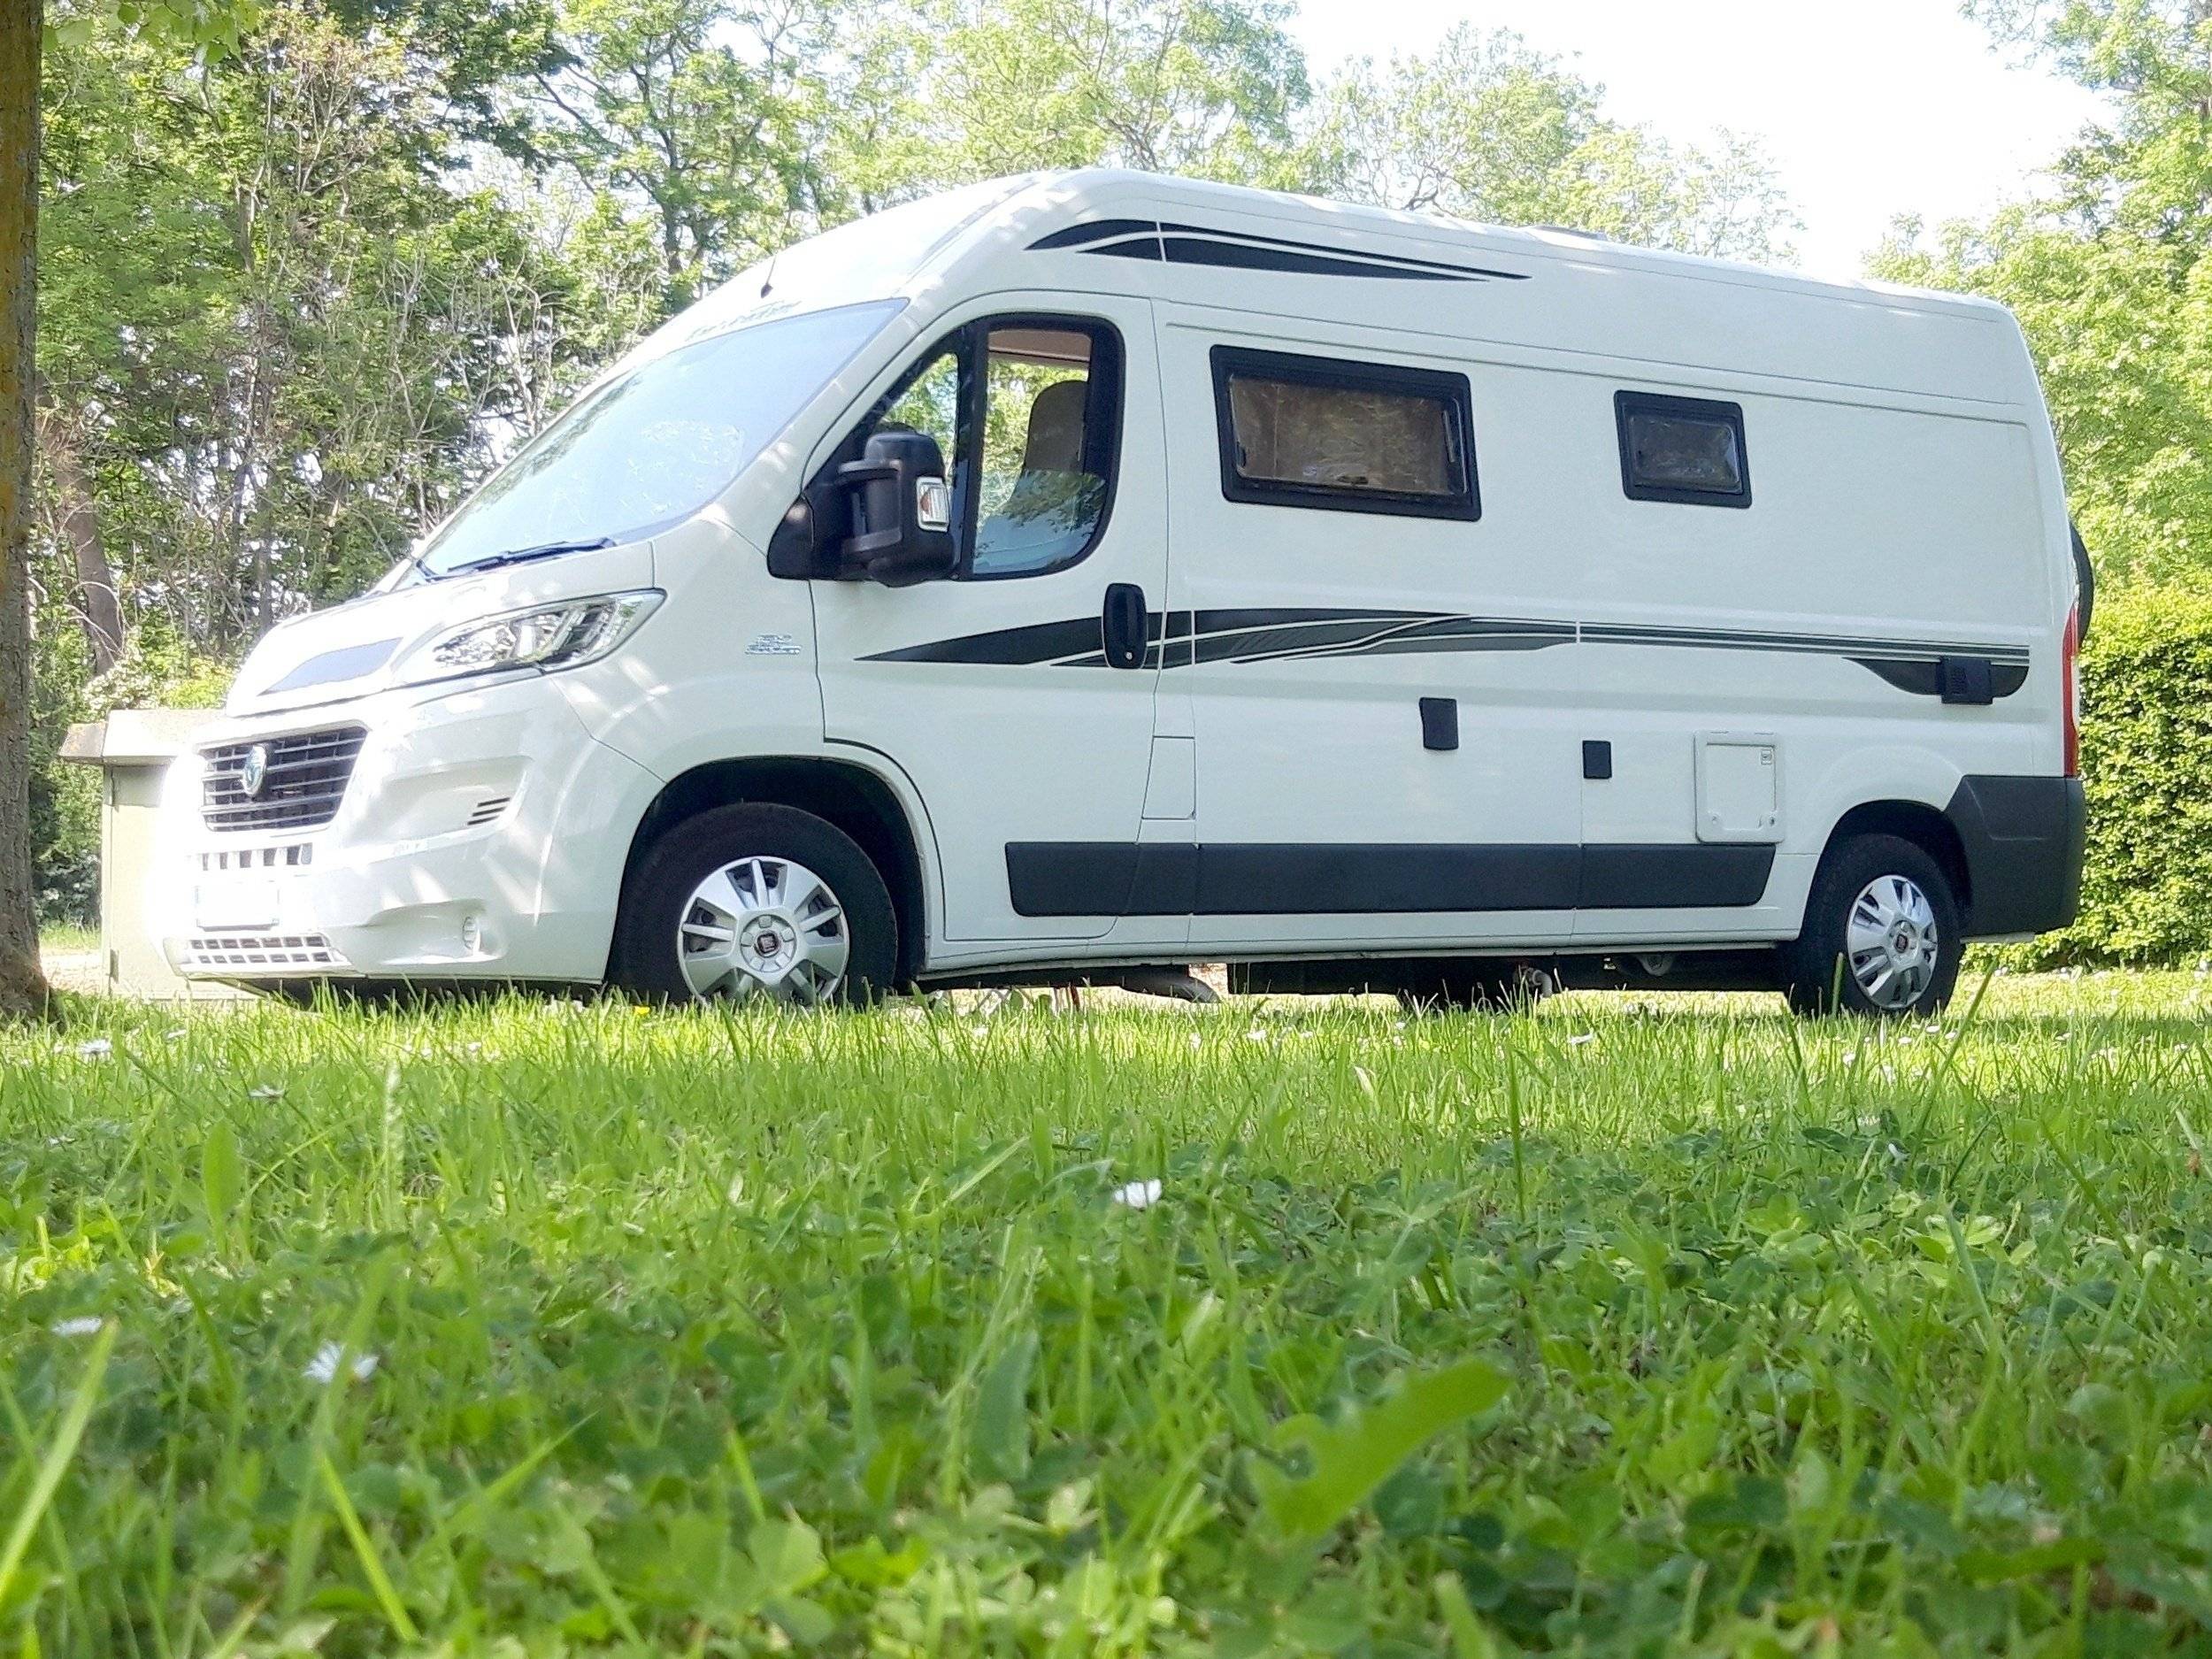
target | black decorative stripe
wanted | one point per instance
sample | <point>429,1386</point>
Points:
<point>1405,262</point>
<point>1145,246</point>
<point>1277,616</point>
<point>1038,642</point>
<point>1264,635</point>
<point>1450,633</point>
<point>1241,250</point>
<point>1625,634</point>
<point>1238,256</point>
<point>1317,879</point>
<point>1096,230</point>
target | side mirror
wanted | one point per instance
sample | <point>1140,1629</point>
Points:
<point>901,511</point>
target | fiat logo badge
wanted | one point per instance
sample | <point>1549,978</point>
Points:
<point>254,775</point>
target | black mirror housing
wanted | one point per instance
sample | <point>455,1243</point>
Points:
<point>795,550</point>
<point>901,511</point>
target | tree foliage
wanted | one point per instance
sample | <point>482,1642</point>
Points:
<point>1488,128</point>
<point>2106,273</point>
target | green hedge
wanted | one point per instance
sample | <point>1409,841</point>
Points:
<point>2146,764</point>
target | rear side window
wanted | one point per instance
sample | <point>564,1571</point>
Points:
<point>1352,437</point>
<point>1686,450</point>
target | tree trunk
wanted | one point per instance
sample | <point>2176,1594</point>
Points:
<point>22,984</point>
<point>97,606</point>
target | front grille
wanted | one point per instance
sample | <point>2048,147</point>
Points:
<point>306,780</point>
<point>259,951</point>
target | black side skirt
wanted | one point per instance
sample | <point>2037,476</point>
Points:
<point>1119,879</point>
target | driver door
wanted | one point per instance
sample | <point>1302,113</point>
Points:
<point>1011,695</point>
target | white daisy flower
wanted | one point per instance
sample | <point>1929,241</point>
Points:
<point>88,1324</point>
<point>324,1366</point>
<point>96,1048</point>
<point>1581,1037</point>
<point>1138,1194</point>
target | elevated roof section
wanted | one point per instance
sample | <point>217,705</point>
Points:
<point>1233,248</point>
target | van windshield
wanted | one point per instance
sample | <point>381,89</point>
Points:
<point>654,444</point>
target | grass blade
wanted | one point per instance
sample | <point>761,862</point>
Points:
<point>56,1462</point>
<point>379,1582</point>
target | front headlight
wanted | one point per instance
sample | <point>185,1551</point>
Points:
<point>544,637</point>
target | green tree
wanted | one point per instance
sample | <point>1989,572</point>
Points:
<point>289,311</point>
<point>2108,276</point>
<point>206,26</point>
<point>1487,128</point>
<point>280,336</point>
<point>702,119</point>
<point>1208,88</point>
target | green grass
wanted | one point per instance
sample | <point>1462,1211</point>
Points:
<point>1617,1327</point>
<point>68,939</point>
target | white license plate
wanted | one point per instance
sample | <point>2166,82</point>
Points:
<point>236,902</point>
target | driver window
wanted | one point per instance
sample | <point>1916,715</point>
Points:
<point>1041,493</point>
<point>1038,401</point>
<point>929,403</point>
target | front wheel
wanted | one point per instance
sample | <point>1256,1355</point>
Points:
<point>1881,936</point>
<point>756,904</point>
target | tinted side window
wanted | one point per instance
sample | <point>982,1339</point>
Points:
<point>1299,431</point>
<point>1686,450</point>
<point>1051,418</point>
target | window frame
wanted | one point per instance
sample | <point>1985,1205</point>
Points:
<point>969,343</point>
<point>1448,387</point>
<point>1627,405</point>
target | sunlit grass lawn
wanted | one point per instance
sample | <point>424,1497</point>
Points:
<point>540,1329</point>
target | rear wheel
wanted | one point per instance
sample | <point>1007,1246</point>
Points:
<point>1881,936</point>
<point>756,904</point>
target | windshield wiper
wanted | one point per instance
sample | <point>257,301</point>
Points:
<point>524,555</point>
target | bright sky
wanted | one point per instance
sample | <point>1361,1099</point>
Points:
<point>1868,111</point>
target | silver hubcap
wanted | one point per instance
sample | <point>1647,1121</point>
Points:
<point>764,927</point>
<point>1891,942</point>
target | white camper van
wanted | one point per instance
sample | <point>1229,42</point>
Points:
<point>1083,574</point>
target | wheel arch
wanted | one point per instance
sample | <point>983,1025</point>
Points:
<point>1925,827</point>
<point>842,793</point>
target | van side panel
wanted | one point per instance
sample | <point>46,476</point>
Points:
<point>1886,547</point>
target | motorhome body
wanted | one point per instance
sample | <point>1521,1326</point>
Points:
<point>1103,569</point>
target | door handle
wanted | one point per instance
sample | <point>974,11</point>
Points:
<point>1122,626</point>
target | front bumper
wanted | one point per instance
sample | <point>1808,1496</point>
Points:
<point>482,835</point>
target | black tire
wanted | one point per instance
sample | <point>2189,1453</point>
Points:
<point>1819,979</point>
<point>645,961</point>
<point>1481,986</point>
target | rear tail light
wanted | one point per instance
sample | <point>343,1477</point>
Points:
<point>2069,685</point>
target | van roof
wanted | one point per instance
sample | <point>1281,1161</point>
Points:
<point>1043,201</point>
